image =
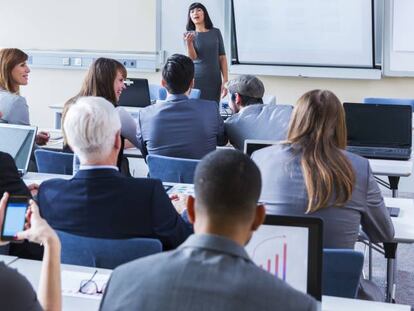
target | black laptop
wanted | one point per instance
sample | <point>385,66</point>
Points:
<point>379,131</point>
<point>136,93</point>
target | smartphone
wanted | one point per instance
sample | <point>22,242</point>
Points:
<point>14,217</point>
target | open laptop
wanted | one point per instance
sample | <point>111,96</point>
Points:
<point>136,93</point>
<point>290,248</point>
<point>18,141</point>
<point>379,131</point>
<point>251,145</point>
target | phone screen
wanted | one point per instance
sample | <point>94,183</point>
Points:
<point>14,218</point>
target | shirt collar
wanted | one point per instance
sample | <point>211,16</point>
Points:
<point>97,167</point>
<point>171,97</point>
<point>216,243</point>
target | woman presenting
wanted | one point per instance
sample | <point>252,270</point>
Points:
<point>205,47</point>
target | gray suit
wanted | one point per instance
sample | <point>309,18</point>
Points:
<point>259,121</point>
<point>14,108</point>
<point>284,188</point>
<point>180,127</point>
<point>205,273</point>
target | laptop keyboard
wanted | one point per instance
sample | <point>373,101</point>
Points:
<point>381,153</point>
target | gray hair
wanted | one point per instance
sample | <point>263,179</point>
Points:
<point>91,125</point>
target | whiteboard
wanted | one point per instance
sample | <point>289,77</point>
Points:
<point>91,25</point>
<point>174,20</point>
<point>335,33</point>
<point>399,39</point>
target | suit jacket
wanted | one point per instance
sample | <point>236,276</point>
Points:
<point>10,180</point>
<point>206,273</point>
<point>103,203</point>
<point>180,127</point>
<point>284,189</point>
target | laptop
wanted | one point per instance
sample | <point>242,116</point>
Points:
<point>136,94</point>
<point>18,141</point>
<point>251,145</point>
<point>379,131</point>
<point>290,248</point>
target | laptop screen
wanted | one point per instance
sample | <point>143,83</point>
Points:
<point>18,141</point>
<point>136,93</point>
<point>252,145</point>
<point>372,125</point>
<point>290,248</point>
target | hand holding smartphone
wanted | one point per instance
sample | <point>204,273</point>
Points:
<point>14,217</point>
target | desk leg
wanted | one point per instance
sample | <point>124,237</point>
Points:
<point>394,180</point>
<point>391,255</point>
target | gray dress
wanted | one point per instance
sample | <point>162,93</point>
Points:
<point>209,47</point>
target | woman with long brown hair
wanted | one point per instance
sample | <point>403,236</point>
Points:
<point>312,174</point>
<point>14,72</point>
<point>105,78</point>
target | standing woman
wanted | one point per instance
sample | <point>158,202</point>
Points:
<point>206,48</point>
<point>105,78</point>
<point>14,72</point>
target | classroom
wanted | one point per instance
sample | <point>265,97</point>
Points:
<point>213,155</point>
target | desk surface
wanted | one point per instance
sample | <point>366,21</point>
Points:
<point>404,223</point>
<point>31,269</point>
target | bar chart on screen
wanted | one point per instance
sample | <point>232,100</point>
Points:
<point>283,252</point>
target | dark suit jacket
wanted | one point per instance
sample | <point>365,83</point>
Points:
<point>103,203</point>
<point>10,180</point>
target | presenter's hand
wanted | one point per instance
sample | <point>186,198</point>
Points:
<point>189,37</point>
<point>42,138</point>
<point>224,90</point>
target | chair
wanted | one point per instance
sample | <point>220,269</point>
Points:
<point>104,253</point>
<point>342,270</point>
<point>157,92</point>
<point>389,101</point>
<point>170,169</point>
<point>54,162</point>
<point>195,94</point>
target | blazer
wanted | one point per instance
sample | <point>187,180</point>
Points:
<point>10,180</point>
<point>284,192</point>
<point>180,127</point>
<point>207,272</point>
<point>104,203</point>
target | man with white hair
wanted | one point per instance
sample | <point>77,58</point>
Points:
<point>99,201</point>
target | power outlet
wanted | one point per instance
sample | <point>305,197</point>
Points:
<point>129,63</point>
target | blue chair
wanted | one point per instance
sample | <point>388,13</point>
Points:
<point>54,162</point>
<point>157,92</point>
<point>389,101</point>
<point>104,253</point>
<point>342,270</point>
<point>195,94</point>
<point>170,169</point>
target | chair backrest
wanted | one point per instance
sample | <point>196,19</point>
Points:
<point>170,169</point>
<point>54,162</point>
<point>157,92</point>
<point>195,94</point>
<point>389,101</point>
<point>104,253</point>
<point>342,270</point>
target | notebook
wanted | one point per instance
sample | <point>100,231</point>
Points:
<point>18,141</point>
<point>379,131</point>
<point>136,93</point>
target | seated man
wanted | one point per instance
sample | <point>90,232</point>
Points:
<point>180,127</point>
<point>99,201</point>
<point>211,270</point>
<point>252,119</point>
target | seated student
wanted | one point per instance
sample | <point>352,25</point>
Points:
<point>16,293</point>
<point>312,174</point>
<point>105,78</point>
<point>211,270</point>
<point>252,119</point>
<point>14,72</point>
<point>99,201</point>
<point>180,127</point>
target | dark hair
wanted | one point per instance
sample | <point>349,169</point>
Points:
<point>207,21</point>
<point>178,72</point>
<point>227,184</point>
<point>247,100</point>
<point>100,79</point>
<point>10,58</point>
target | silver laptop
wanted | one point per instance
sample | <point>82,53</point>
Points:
<point>18,141</point>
